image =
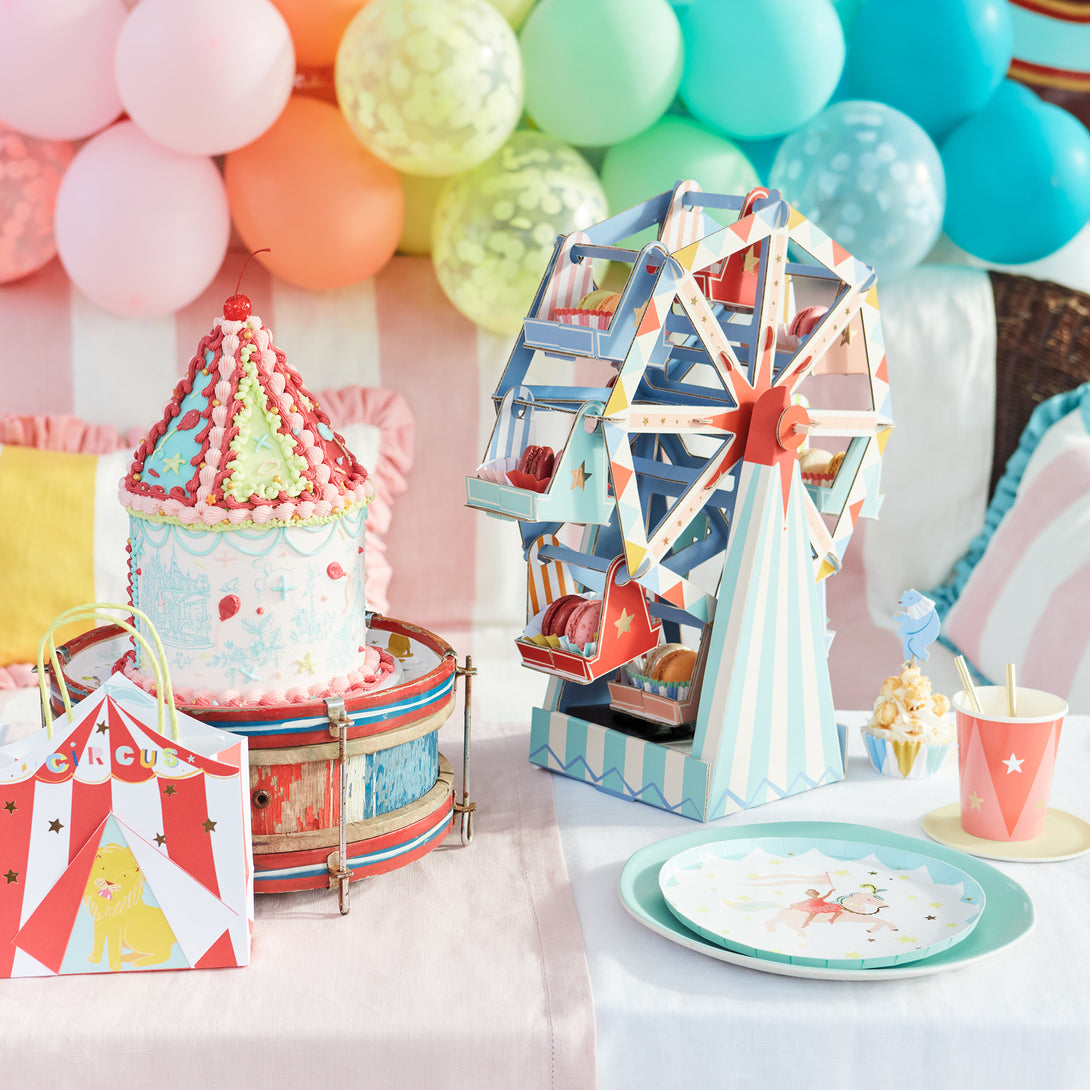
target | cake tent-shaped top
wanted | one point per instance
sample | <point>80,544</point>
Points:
<point>242,442</point>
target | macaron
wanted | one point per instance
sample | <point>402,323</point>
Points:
<point>537,462</point>
<point>672,663</point>
<point>805,320</point>
<point>582,626</point>
<point>556,616</point>
<point>601,300</point>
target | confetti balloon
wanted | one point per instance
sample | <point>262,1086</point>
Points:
<point>870,178</point>
<point>141,230</point>
<point>600,71</point>
<point>430,86</point>
<point>204,77</point>
<point>30,174</point>
<point>57,66</point>
<point>1018,175</point>
<point>496,225</point>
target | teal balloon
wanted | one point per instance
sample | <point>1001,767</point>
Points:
<point>936,60</point>
<point>673,149</point>
<point>870,178</point>
<point>1017,177</point>
<point>495,226</point>
<point>600,71</point>
<point>760,68</point>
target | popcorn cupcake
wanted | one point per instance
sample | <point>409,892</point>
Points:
<point>910,735</point>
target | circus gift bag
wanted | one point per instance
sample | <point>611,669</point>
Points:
<point>124,835</point>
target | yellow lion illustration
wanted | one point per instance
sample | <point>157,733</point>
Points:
<point>113,896</point>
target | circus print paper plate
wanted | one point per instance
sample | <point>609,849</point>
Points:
<point>830,903</point>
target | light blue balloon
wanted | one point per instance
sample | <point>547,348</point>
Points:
<point>936,60</point>
<point>1018,178</point>
<point>756,69</point>
<point>870,178</point>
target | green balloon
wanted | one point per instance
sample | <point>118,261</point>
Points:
<point>599,71</point>
<point>674,149</point>
<point>495,226</point>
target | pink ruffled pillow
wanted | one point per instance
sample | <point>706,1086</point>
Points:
<point>377,425</point>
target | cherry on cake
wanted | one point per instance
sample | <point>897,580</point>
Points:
<point>246,533</point>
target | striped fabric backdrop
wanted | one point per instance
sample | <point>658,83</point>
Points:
<point>59,353</point>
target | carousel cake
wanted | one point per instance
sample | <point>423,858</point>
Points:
<point>246,532</point>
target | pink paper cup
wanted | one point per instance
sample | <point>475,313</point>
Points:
<point>1005,764</point>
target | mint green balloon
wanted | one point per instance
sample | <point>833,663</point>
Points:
<point>673,149</point>
<point>600,71</point>
<point>430,86</point>
<point>495,226</point>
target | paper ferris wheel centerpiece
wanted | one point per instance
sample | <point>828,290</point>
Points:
<point>743,343</point>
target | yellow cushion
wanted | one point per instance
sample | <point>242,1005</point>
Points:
<point>61,521</point>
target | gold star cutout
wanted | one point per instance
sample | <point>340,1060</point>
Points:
<point>173,463</point>
<point>848,335</point>
<point>305,664</point>
<point>169,789</point>
<point>624,622</point>
<point>160,840</point>
<point>209,825</point>
<point>12,876</point>
<point>750,261</point>
<point>55,825</point>
<point>580,476</point>
<point>102,728</point>
<point>906,938</point>
<point>974,801</point>
<point>10,806</point>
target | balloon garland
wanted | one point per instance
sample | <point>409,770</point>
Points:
<point>337,132</point>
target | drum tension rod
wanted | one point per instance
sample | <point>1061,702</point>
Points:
<point>339,872</point>
<point>465,807</point>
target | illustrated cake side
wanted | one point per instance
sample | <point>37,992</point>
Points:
<point>246,532</point>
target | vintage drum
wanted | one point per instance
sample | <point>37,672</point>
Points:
<point>357,779</point>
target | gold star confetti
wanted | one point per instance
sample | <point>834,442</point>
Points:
<point>169,789</point>
<point>160,839</point>
<point>208,825</point>
<point>12,876</point>
<point>10,806</point>
<point>102,728</point>
<point>848,335</point>
<point>55,825</point>
<point>750,261</point>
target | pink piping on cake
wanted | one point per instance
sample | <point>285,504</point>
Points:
<point>378,666</point>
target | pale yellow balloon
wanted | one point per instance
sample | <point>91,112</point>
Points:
<point>421,194</point>
<point>495,226</point>
<point>514,11</point>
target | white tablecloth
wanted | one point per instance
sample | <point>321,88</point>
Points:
<point>670,1017</point>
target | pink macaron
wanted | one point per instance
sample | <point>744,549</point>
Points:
<point>582,626</point>
<point>556,616</point>
<point>803,323</point>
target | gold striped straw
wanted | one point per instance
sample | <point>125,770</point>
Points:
<point>1012,699</point>
<point>967,682</point>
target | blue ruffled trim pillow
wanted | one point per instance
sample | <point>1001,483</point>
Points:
<point>1021,594</point>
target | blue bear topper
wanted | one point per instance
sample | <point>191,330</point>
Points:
<point>917,624</point>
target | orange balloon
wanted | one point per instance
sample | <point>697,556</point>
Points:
<point>317,27</point>
<point>329,211</point>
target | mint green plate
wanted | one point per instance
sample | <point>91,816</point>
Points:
<point>1007,918</point>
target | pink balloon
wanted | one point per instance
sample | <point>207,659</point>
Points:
<point>141,230</point>
<point>57,66</point>
<point>203,76</point>
<point>30,174</point>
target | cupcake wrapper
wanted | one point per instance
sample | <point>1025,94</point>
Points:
<point>673,690</point>
<point>908,760</point>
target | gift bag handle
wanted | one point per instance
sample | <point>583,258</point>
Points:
<point>164,693</point>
